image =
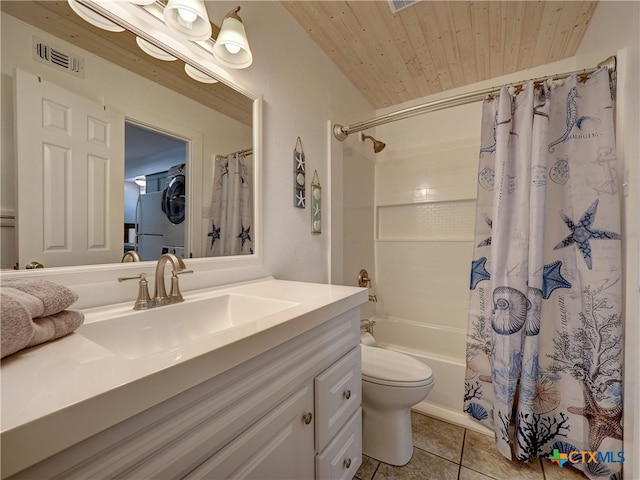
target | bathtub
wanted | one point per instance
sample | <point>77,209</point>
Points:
<point>443,350</point>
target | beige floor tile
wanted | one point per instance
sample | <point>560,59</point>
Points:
<point>423,466</point>
<point>553,472</point>
<point>481,455</point>
<point>367,469</point>
<point>435,436</point>
<point>468,474</point>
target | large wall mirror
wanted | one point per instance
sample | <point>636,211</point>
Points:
<point>155,190</point>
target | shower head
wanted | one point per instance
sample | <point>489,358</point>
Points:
<point>378,146</point>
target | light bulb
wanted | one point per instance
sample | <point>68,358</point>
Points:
<point>232,48</point>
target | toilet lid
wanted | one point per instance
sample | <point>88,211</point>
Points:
<point>387,367</point>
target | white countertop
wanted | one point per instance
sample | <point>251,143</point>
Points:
<point>60,393</point>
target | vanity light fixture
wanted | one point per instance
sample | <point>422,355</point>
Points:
<point>231,48</point>
<point>188,18</point>
<point>198,75</point>
<point>94,18</point>
<point>150,49</point>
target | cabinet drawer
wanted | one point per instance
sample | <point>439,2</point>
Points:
<point>338,395</point>
<point>342,458</point>
<point>279,446</point>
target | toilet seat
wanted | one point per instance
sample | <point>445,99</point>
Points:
<point>387,367</point>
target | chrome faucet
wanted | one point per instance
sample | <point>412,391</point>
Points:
<point>160,297</point>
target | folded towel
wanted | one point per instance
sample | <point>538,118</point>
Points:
<point>50,298</point>
<point>17,325</point>
<point>33,312</point>
<point>55,326</point>
<point>34,305</point>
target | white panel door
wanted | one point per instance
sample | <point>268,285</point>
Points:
<point>70,154</point>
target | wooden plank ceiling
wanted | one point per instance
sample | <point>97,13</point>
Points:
<point>434,46</point>
<point>57,18</point>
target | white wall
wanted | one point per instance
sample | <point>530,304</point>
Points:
<point>302,91</point>
<point>357,224</point>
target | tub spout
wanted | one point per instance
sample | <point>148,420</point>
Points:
<point>366,325</point>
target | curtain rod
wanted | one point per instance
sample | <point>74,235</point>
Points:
<point>246,151</point>
<point>341,132</point>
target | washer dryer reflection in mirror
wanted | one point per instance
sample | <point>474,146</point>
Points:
<point>161,217</point>
<point>174,195</point>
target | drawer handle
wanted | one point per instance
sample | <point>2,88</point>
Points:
<point>307,417</point>
<point>347,394</point>
<point>347,463</point>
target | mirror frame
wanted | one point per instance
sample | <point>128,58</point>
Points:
<point>140,21</point>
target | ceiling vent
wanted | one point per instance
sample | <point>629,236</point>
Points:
<point>397,5</point>
<point>45,52</point>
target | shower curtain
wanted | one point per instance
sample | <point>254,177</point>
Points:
<point>544,340</point>
<point>231,212</point>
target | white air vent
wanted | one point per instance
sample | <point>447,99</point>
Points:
<point>397,5</point>
<point>45,52</point>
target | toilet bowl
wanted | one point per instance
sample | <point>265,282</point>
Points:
<point>392,383</point>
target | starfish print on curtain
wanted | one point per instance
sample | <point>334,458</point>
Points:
<point>583,232</point>
<point>214,234</point>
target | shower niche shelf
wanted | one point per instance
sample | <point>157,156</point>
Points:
<point>427,221</point>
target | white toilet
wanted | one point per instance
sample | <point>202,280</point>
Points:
<point>392,383</point>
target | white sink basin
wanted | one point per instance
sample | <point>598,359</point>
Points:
<point>141,333</point>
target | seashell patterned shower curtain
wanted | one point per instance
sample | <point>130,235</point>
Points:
<point>231,211</point>
<point>544,340</point>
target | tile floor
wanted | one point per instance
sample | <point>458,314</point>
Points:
<point>443,451</point>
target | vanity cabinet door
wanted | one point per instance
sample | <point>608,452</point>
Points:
<point>279,446</point>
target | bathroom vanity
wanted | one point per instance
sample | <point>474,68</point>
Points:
<point>275,396</point>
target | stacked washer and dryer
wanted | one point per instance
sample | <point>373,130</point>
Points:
<point>160,218</point>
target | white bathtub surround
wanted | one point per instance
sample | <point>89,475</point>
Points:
<point>79,388</point>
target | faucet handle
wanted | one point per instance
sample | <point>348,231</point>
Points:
<point>144,299</point>
<point>175,296</point>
